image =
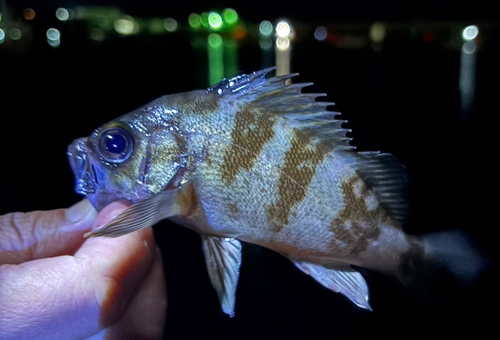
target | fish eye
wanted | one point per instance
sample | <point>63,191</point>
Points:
<point>115,145</point>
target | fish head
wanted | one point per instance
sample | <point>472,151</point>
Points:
<point>131,158</point>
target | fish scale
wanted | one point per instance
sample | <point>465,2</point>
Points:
<point>255,160</point>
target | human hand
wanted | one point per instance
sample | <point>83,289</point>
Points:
<point>54,284</point>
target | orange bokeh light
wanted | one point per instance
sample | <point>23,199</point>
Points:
<point>239,32</point>
<point>29,14</point>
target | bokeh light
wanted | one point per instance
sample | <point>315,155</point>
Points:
<point>239,32</point>
<point>470,32</point>
<point>230,16</point>
<point>282,43</point>
<point>53,37</point>
<point>53,34</point>
<point>15,34</point>
<point>215,58</point>
<point>204,19</point>
<point>125,26</point>
<point>2,36</point>
<point>62,14</point>
<point>266,28</point>
<point>214,40</point>
<point>54,43</point>
<point>320,33</point>
<point>29,14</point>
<point>170,24</point>
<point>215,20</point>
<point>377,32</point>
<point>283,29</point>
<point>194,20</point>
<point>266,43</point>
<point>469,47</point>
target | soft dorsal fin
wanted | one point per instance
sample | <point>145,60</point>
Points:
<point>386,177</point>
<point>273,95</point>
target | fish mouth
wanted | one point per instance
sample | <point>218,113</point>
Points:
<point>82,168</point>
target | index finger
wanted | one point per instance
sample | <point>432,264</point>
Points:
<point>39,234</point>
<point>78,295</point>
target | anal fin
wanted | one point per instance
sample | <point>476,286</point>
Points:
<point>223,258</point>
<point>348,283</point>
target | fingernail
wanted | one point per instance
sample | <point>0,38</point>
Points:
<point>81,211</point>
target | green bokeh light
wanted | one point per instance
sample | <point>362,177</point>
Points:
<point>204,19</point>
<point>215,58</point>
<point>214,40</point>
<point>215,20</point>
<point>194,20</point>
<point>230,16</point>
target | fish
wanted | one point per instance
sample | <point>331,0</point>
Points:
<point>255,159</point>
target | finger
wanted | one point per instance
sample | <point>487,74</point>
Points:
<point>145,315</point>
<point>38,234</point>
<point>78,295</point>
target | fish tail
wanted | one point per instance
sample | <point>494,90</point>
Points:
<point>456,251</point>
<point>441,263</point>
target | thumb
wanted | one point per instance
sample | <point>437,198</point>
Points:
<point>39,234</point>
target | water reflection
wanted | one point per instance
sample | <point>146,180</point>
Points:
<point>467,76</point>
<point>283,48</point>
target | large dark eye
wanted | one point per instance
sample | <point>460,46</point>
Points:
<point>115,145</point>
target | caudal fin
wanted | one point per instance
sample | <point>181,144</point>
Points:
<point>456,252</point>
<point>449,263</point>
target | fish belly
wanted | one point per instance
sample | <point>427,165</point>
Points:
<point>313,210</point>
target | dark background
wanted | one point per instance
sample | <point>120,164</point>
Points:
<point>402,97</point>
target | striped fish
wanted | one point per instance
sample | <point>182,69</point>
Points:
<point>254,159</point>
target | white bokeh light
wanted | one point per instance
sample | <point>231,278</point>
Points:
<point>62,14</point>
<point>470,32</point>
<point>283,29</point>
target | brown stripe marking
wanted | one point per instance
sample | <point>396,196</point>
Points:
<point>251,131</point>
<point>295,178</point>
<point>356,225</point>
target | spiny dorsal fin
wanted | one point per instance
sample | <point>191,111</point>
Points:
<point>274,96</point>
<point>386,177</point>
<point>381,171</point>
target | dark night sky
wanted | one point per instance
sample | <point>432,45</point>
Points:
<point>306,10</point>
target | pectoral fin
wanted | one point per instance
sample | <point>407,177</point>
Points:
<point>223,258</point>
<point>142,214</point>
<point>348,283</point>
